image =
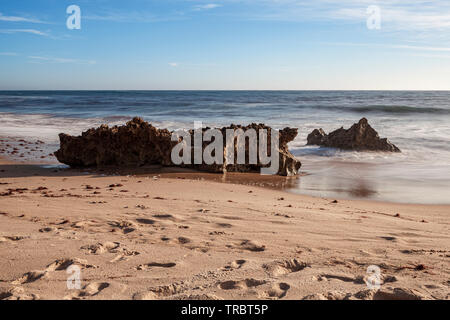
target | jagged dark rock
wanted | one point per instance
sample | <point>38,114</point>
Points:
<point>360,137</point>
<point>138,143</point>
<point>316,137</point>
<point>135,144</point>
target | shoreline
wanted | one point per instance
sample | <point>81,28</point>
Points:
<point>330,173</point>
<point>273,182</point>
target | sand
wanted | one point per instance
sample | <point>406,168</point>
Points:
<point>178,237</point>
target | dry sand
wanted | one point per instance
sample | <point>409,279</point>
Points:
<point>173,238</point>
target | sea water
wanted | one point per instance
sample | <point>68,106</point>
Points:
<point>418,122</point>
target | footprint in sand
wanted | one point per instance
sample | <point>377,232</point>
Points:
<point>63,264</point>
<point>89,290</point>
<point>186,243</point>
<point>123,226</point>
<point>167,217</point>
<point>17,293</point>
<point>151,265</point>
<point>100,248</point>
<point>160,292</point>
<point>31,276</point>
<point>88,225</point>
<point>58,265</point>
<point>390,294</point>
<point>124,255</point>
<point>217,233</point>
<point>11,238</point>
<point>224,225</point>
<point>47,229</point>
<point>202,297</point>
<point>60,223</point>
<point>332,295</point>
<point>241,284</point>
<point>111,247</point>
<point>344,278</point>
<point>145,296</point>
<point>387,238</point>
<point>183,240</point>
<point>237,264</point>
<point>279,268</point>
<point>251,246</point>
<point>231,218</point>
<point>146,221</point>
<point>278,291</point>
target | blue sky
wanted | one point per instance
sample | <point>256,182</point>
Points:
<point>225,44</point>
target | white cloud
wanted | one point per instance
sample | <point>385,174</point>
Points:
<point>131,17</point>
<point>173,64</point>
<point>403,17</point>
<point>392,46</point>
<point>60,60</point>
<point>31,31</point>
<point>18,19</point>
<point>395,14</point>
<point>207,6</point>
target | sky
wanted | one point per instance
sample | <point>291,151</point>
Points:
<point>226,45</point>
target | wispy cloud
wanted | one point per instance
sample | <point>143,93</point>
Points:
<point>60,60</point>
<point>19,19</point>
<point>207,6</point>
<point>131,17</point>
<point>405,17</point>
<point>395,14</point>
<point>30,31</point>
<point>174,64</point>
<point>149,17</point>
<point>392,46</point>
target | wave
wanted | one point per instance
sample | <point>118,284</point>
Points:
<point>390,109</point>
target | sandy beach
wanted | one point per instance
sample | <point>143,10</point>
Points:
<point>174,236</point>
<point>258,152</point>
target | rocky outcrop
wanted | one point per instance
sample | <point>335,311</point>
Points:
<point>316,137</point>
<point>135,144</point>
<point>138,143</point>
<point>360,137</point>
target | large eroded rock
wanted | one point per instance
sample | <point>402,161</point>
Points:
<point>360,137</point>
<point>138,143</point>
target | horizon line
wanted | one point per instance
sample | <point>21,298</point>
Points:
<point>229,90</point>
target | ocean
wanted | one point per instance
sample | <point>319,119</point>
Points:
<point>418,122</point>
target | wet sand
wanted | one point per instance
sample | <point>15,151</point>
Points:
<point>378,181</point>
<point>323,177</point>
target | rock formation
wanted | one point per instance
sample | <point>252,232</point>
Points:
<point>360,137</point>
<point>138,143</point>
<point>135,144</point>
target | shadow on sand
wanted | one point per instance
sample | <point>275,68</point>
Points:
<point>52,170</point>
